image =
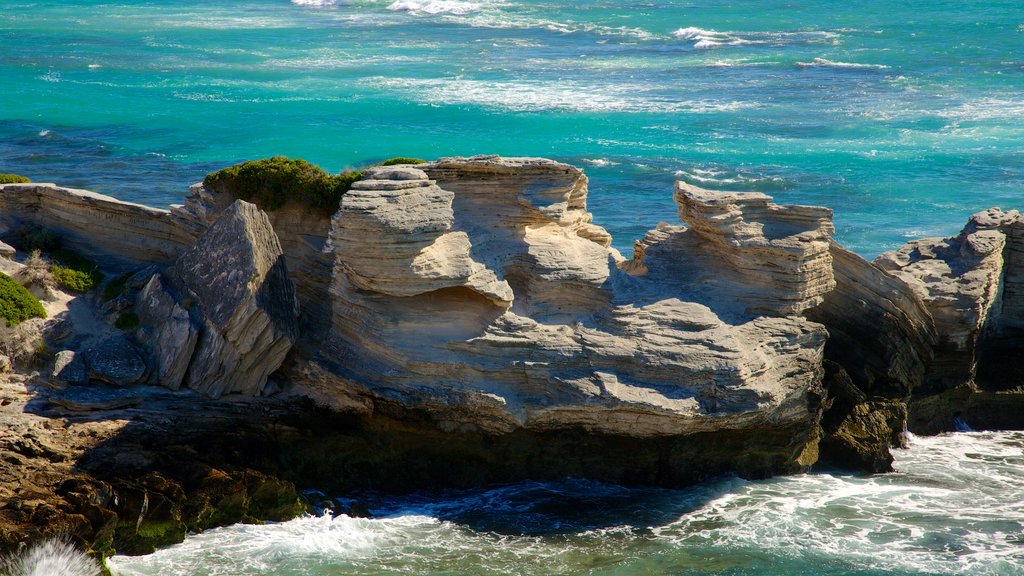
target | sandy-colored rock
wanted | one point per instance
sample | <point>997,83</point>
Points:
<point>109,231</point>
<point>478,292</point>
<point>972,294</point>
<point>237,278</point>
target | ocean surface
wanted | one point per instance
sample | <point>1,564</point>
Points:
<point>904,117</point>
<point>954,506</point>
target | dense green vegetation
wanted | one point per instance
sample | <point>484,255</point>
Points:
<point>400,160</point>
<point>271,182</point>
<point>13,179</point>
<point>74,272</point>
<point>17,303</point>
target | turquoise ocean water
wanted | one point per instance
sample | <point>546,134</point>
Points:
<point>904,117</point>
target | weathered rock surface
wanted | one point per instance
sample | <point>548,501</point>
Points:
<point>302,232</point>
<point>237,278</point>
<point>487,301</point>
<point>109,231</point>
<point>115,360</point>
<point>168,332</point>
<point>974,297</point>
<point>69,368</point>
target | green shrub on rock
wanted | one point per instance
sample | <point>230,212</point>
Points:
<point>271,182</point>
<point>13,179</point>
<point>17,303</point>
<point>400,160</point>
<point>74,272</point>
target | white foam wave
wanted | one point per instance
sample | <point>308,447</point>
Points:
<point>456,7</point>
<point>823,63</point>
<point>315,2</point>
<point>953,507</point>
<point>600,162</point>
<point>534,97</point>
<point>704,38</point>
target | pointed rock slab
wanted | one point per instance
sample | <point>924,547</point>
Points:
<point>167,331</point>
<point>235,274</point>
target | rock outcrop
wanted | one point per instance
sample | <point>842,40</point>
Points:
<point>487,301</point>
<point>237,279</point>
<point>973,288</point>
<point>112,232</point>
<point>302,232</point>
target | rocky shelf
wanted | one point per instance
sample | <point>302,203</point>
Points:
<point>464,322</point>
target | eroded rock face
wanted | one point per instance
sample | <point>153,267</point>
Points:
<point>478,293</point>
<point>235,275</point>
<point>167,331</point>
<point>302,232</point>
<point>971,284</point>
<point>112,232</point>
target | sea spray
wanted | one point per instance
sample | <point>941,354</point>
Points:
<point>51,557</point>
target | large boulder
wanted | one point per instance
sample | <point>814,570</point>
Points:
<point>236,278</point>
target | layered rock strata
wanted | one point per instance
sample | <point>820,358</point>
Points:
<point>114,233</point>
<point>245,313</point>
<point>971,285</point>
<point>492,304</point>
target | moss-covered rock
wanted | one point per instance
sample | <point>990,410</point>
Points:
<point>17,303</point>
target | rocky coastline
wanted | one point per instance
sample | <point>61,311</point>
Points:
<point>464,322</point>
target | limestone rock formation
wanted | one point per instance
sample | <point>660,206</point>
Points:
<point>109,231</point>
<point>478,292</point>
<point>971,285</point>
<point>115,360</point>
<point>238,280</point>
<point>69,368</point>
<point>302,232</point>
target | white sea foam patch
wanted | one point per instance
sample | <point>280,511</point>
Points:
<point>457,7</point>
<point>823,63</point>
<point>955,506</point>
<point>725,178</point>
<point>704,38</point>
<point>538,96</point>
<point>990,108</point>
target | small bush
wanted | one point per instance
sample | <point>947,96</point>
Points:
<point>13,179</point>
<point>127,321</point>
<point>271,182</point>
<point>400,160</point>
<point>74,272</point>
<point>36,276</point>
<point>116,287</point>
<point>17,304</point>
